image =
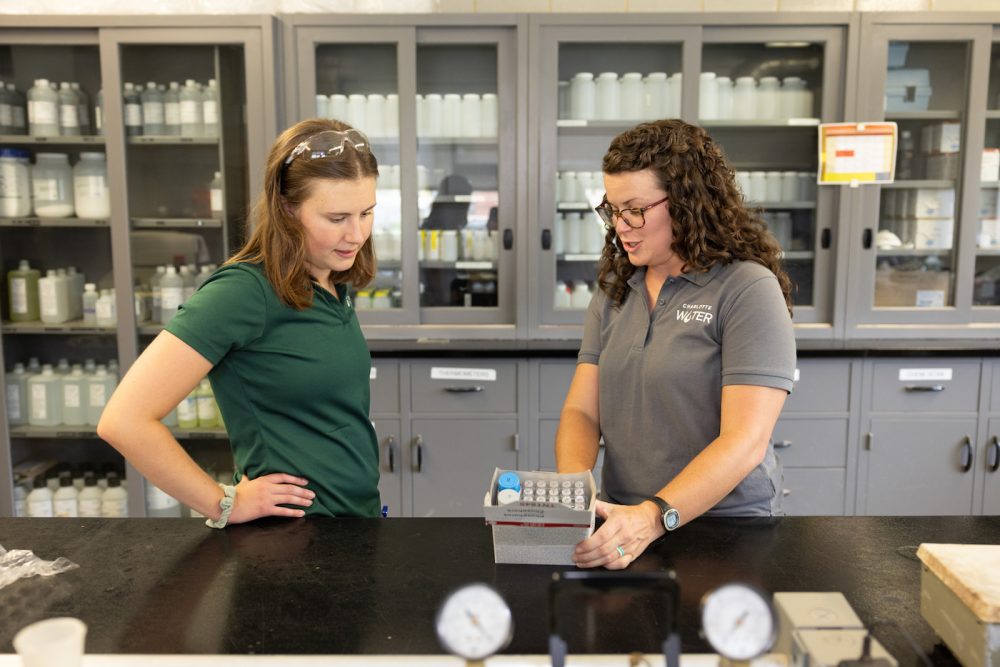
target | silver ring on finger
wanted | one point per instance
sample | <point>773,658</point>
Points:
<point>621,551</point>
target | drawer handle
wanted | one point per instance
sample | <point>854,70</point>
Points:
<point>473,389</point>
<point>417,449</point>
<point>994,454</point>
<point>967,454</point>
<point>786,492</point>
<point>390,448</point>
<point>934,387</point>
<point>783,444</point>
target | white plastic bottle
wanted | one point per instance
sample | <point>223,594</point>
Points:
<point>172,110</point>
<point>88,502</point>
<point>74,392</point>
<point>154,285</point>
<point>153,120</point>
<point>53,298</point>
<point>43,110</point>
<point>133,111</point>
<point>69,111</point>
<point>44,401</point>
<point>52,186</point>
<point>17,395</point>
<point>210,110</point>
<point>40,499</point>
<point>105,309</point>
<point>83,106</point>
<point>113,369</point>
<point>6,111</point>
<point>203,274</point>
<point>192,115</point>
<point>99,388</point>
<point>215,192</point>
<point>64,501</point>
<point>114,500</point>
<point>161,504</point>
<point>187,278</point>
<point>78,479</point>
<point>90,297</point>
<point>99,113</point>
<point>62,367</point>
<point>208,411</point>
<point>91,196</point>
<point>171,294</point>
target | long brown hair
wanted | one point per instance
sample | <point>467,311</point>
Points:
<point>711,222</point>
<point>278,241</point>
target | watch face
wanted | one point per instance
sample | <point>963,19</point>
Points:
<point>671,519</point>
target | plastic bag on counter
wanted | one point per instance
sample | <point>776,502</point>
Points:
<point>21,563</point>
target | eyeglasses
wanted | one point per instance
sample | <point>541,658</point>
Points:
<point>633,217</point>
<point>327,144</point>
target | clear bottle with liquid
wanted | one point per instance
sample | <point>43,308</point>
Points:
<point>114,500</point>
<point>153,117</point>
<point>64,500</point>
<point>100,385</point>
<point>44,399</point>
<point>6,110</point>
<point>69,111</point>
<point>99,113</point>
<point>208,411</point>
<point>187,410</point>
<point>16,383</point>
<point>171,294</point>
<point>154,286</point>
<point>89,301</point>
<point>83,105</point>
<point>20,500</point>
<point>215,195</point>
<point>172,110</point>
<point>43,110</point>
<point>192,115</point>
<point>22,287</point>
<point>133,111</point>
<point>105,309</point>
<point>210,110</point>
<point>53,296</point>
<point>74,392</point>
<point>19,110</point>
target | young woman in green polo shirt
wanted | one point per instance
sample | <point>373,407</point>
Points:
<point>688,350</point>
<point>276,334</point>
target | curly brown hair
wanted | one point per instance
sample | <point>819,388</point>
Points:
<point>711,222</point>
<point>277,240</point>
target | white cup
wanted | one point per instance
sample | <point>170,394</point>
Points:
<point>54,642</point>
<point>675,85</point>
<point>654,95</point>
<point>490,115</point>
<point>338,107</point>
<point>632,104</point>
<point>375,120</point>
<point>608,103</point>
<point>472,115</point>
<point>582,96</point>
<point>767,99</point>
<point>772,180</point>
<point>322,106</point>
<point>708,97</point>
<point>433,108</point>
<point>392,115</point>
<point>449,245</point>
<point>451,115</point>
<point>745,98</point>
<point>725,85</point>
<point>357,111</point>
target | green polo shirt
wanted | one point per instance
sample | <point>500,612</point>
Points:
<point>292,386</point>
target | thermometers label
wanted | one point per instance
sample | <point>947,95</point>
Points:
<point>913,374</point>
<point>478,374</point>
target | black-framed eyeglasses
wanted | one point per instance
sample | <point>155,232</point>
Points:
<point>633,217</point>
<point>327,144</point>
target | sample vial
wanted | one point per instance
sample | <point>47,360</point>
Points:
<point>508,496</point>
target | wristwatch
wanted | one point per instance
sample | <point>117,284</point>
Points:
<point>669,515</point>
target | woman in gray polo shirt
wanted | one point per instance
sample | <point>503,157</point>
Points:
<point>688,350</point>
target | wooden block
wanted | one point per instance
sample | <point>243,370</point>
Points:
<point>971,571</point>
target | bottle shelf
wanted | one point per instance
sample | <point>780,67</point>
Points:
<point>579,257</point>
<point>55,222</point>
<point>989,185</point>
<point>61,431</point>
<point>993,114</point>
<point>25,139</point>
<point>772,123</point>
<point>798,255</point>
<point>988,252</point>
<point>74,327</point>
<point>175,223</point>
<point>784,205</point>
<point>171,141</point>
<point>460,265</point>
<point>949,114</point>
<point>574,206</point>
<point>199,433</point>
<point>902,185</point>
<point>456,141</point>
<point>150,329</point>
<point>913,252</point>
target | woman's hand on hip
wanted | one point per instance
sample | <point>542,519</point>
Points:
<point>627,531</point>
<point>256,498</point>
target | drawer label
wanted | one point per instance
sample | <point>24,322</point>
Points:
<point>373,373</point>
<point>478,374</point>
<point>912,374</point>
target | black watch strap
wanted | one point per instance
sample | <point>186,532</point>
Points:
<point>661,503</point>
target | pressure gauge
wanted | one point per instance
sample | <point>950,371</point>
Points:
<point>474,622</point>
<point>738,620</point>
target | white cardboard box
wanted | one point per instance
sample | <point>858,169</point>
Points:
<point>539,533</point>
<point>990,167</point>
<point>932,203</point>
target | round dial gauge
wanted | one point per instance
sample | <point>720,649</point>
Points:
<point>738,621</point>
<point>474,622</point>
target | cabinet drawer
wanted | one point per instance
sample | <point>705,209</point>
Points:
<point>824,386</point>
<point>553,382</point>
<point>385,386</point>
<point>490,387</point>
<point>814,491</point>
<point>995,391</point>
<point>811,442</point>
<point>894,390</point>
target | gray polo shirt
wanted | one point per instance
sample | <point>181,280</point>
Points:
<point>662,373</point>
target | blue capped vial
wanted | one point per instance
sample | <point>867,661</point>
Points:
<point>509,480</point>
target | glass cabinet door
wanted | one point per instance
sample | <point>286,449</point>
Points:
<point>986,280</point>
<point>761,94</point>
<point>589,89</point>
<point>914,259</point>
<point>55,237</point>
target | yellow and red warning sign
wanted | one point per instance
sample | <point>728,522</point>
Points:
<point>857,153</point>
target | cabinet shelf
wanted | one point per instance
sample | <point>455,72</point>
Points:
<point>175,223</point>
<point>574,206</point>
<point>993,114</point>
<point>950,114</point>
<point>579,257</point>
<point>913,252</point>
<point>784,205</point>
<point>23,139</point>
<point>798,255</point>
<point>775,123</point>
<point>61,431</point>
<point>988,252</point>
<point>150,329</point>
<point>460,265</point>
<point>75,327</point>
<point>989,185</point>
<point>897,185</point>
<point>456,141</point>
<point>54,222</point>
<point>172,141</point>
<point>207,433</point>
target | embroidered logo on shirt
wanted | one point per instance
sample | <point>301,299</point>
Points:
<point>347,300</point>
<point>698,312</point>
